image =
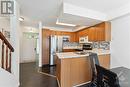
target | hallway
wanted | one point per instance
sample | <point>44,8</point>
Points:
<point>29,77</point>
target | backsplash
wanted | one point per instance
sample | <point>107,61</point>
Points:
<point>70,44</point>
<point>96,45</point>
<point>101,45</point>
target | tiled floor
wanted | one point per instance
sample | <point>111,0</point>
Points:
<point>29,77</point>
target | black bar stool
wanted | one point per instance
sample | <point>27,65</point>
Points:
<point>101,77</point>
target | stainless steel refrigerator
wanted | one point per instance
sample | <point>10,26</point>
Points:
<point>56,45</point>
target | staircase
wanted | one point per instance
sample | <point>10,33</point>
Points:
<point>7,79</point>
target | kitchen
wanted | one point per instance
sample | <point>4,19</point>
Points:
<point>59,46</point>
<point>65,43</point>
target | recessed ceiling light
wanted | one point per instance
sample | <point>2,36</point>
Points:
<point>21,19</point>
<point>65,24</point>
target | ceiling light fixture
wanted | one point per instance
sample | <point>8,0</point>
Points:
<point>65,24</point>
<point>21,19</point>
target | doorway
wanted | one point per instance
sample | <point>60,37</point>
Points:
<point>29,47</point>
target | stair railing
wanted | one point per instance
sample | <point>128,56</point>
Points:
<point>6,51</point>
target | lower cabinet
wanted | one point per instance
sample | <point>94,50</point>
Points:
<point>69,50</point>
<point>73,71</point>
<point>104,60</point>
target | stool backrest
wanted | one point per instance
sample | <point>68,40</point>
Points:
<point>93,60</point>
<point>106,78</point>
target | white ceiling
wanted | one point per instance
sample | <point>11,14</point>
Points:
<point>48,11</point>
<point>99,5</point>
<point>34,11</point>
<point>77,20</point>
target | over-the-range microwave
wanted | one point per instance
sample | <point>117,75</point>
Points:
<point>83,39</point>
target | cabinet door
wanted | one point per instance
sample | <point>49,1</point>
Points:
<point>77,36</point>
<point>107,31</point>
<point>72,37</point>
<point>103,31</point>
<point>68,50</point>
<point>92,34</point>
<point>100,34</point>
<point>58,69</point>
<point>104,60</point>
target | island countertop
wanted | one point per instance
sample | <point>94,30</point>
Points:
<point>64,55</point>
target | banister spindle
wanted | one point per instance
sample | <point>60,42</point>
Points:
<point>6,57</point>
<point>10,61</point>
<point>2,60</point>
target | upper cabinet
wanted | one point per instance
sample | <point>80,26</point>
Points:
<point>107,31</point>
<point>103,32</point>
<point>99,32</point>
<point>63,33</point>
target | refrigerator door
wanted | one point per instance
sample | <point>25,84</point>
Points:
<point>59,43</point>
<point>53,44</point>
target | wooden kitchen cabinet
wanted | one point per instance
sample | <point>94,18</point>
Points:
<point>77,36</point>
<point>99,32</point>
<point>96,34</point>
<point>45,46</point>
<point>91,34</point>
<point>63,33</point>
<point>104,60</point>
<point>103,32</point>
<point>74,71</point>
<point>69,50</point>
<point>72,37</point>
<point>107,31</point>
<point>100,35</point>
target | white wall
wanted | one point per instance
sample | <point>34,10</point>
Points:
<point>4,24</point>
<point>120,45</point>
<point>15,36</point>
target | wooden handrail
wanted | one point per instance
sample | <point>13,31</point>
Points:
<point>2,37</point>
<point>6,51</point>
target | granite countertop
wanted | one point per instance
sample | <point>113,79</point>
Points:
<point>74,55</point>
<point>72,47</point>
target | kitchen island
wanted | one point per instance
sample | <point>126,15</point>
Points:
<point>74,69</point>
